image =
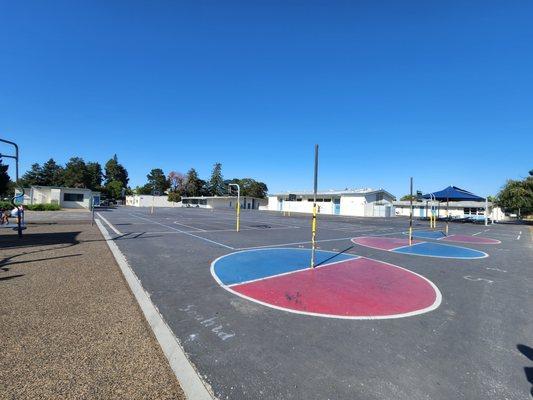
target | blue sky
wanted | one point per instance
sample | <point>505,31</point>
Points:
<point>439,91</point>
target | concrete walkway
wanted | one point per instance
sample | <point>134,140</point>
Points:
<point>69,326</point>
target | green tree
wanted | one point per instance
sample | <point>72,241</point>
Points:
<point>145,189</point>
<point>114,189</point>
<point>174,196</point>
<point>4,179</point>
<point>193,184</point>
<point>34,176</point>
<point>407,197</point>
<point>251,187</point>
<point>114,171</point>
<point>517,196</point>
<point>216,182</point>
<point>75,174</point>
<point>157,180</point>
<point>52,173</point>
<point>94,170</point>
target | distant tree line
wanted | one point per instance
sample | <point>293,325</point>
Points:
<point>179,185</point>
<point>77,173</point>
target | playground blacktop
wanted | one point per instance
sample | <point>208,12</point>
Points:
<point>240,315</point>
<point>373,320</point>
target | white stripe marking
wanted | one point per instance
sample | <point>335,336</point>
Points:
<point>185,233</point>
<point>292,272</point>
<point>109,224</point>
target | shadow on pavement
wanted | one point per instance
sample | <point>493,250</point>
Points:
<point>528,352</point>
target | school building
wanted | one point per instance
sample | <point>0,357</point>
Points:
<point>356,202</point>
<point>247,203</point>
<point>65,197</point>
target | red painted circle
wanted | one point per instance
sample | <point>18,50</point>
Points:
<point>357,288</point>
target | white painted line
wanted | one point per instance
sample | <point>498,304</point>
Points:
<point>477,233</point>
<point>518,237</point>
<point>434,306</point>
<point>185,233</point>
<point>189,226</point>
<point>400,247</point>
<point>485,255</point>
<point>109,224</point>
<point>189,379</point>
<point>318,241</point>
<point>292,244</point>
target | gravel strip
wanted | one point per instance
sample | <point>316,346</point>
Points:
<point>69,326</point>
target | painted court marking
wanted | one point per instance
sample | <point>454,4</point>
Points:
<point>344,286</point>
<point>419,248</point>
<point>184,232</point>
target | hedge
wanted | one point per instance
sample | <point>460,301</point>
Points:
<point>42,207</point>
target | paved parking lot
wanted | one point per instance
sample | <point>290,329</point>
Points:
<point>470,344</point>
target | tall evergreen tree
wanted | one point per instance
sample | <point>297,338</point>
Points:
<point>4,179</point>
<point>52,173</point>
<point>34,176</point>
<point>157,180</point>
<point>114,171</point>
<point>193,184</point>
<point>94,170</point>
<point>75,174</point>
<point>216,182</point>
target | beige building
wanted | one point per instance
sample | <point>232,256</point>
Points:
<point>65,197</point>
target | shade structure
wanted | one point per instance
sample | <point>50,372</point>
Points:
<point>453,193</point>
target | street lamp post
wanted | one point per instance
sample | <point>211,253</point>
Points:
<point>238,208</point>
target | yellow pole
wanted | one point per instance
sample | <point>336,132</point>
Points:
<point>238,215</point>
<point>313,236</point>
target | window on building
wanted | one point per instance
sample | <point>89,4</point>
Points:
<point>203,202</point>
<point>72,196</point>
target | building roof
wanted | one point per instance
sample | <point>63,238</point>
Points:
<point>455,204</point>
<point>345,192</point>
<point>57,187</point>
<point>219,197</point>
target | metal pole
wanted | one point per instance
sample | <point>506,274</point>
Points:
<point>447,214</point>
<point>411,214</point>
<point>313,223</point>
<point>238,207</point>
<point>19,212</point>
<point>486,211</point>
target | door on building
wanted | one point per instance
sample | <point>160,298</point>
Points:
<point>422,212</point>
<point>336,206</point>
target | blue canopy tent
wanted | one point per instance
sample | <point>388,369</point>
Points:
<point>453,193</point>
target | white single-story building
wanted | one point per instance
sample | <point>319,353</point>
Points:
<point>65,197</point>
<point>355,202</point>
<point>247,203</point>
<point>457,209</point>
<point>147,200</point>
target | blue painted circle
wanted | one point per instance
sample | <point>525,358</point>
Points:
<point>261,263</point>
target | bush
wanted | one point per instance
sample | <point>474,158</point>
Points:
<point>5,205</point>
<point>174,196</point>
<point>42,207</point>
